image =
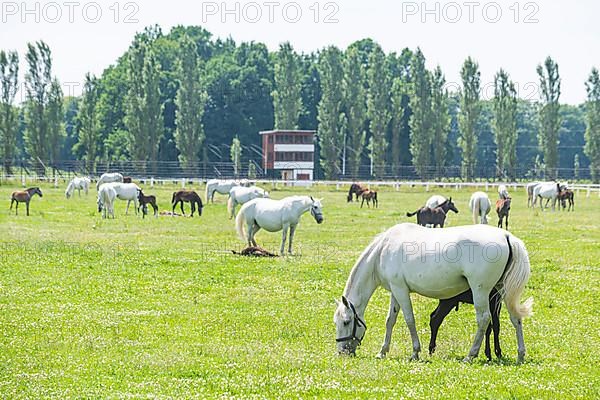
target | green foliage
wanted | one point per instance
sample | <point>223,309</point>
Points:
<point>287,98</point>
<point>440,117</point>
<point>144,108</point>
<point>550,120</point>
<point>330,109</point>
<point>505,124</point>
<point>9,85</point>
<point>470,109</point>
<point>592,133</point>
<point>421,132</point>
<point>87,124</point>
<point>38,80</point>
<point>378,109</point>
<point>355,103</point>
<point>191,100</point>
<point>55,121</point>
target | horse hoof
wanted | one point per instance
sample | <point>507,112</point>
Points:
<point>381,356</point>
<point>467,360</point>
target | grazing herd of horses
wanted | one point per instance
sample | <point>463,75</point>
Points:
<point>394,260</point>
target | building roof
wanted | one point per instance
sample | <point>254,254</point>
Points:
<point>286,132</point>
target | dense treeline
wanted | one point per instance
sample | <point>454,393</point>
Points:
<point>189,98</point>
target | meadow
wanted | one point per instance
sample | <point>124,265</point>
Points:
<point>161,308</point>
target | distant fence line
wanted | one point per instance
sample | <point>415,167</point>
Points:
<point>224,170</point>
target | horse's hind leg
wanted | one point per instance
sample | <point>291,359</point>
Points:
<point>389,326</point>
<point>292,231</point>
<point>518,324</point>
<point>403,298</point>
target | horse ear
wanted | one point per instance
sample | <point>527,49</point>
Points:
<point>345,302</point>
<point>311,199</point>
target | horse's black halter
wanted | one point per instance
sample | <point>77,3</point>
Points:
<point>357,321</point>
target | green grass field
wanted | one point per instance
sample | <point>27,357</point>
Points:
<point>160,308</point>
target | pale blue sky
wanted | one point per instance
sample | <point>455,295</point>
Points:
<point>568,31</point>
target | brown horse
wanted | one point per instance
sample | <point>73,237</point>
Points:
<point>369,195</point>
<point>503,209</point>
<point>24,197</point>
<point>144,201</point>
<point>188,196</point>
<point>434,216</point>
<point>355,189</point>
<point>567,195</point>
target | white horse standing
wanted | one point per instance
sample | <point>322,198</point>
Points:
<point>109,178</point>
<point>242,195</point>
<point>503,192</point>
<point>79,184</point>
<point>401,261</point>
<point>106,200</point>
<point>548,191</point>
<point>480,206</point>
<point>219,186</point>
<point>126,191</point>
<point>274,216</point>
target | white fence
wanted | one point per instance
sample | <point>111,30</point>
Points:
<point>340,185</point>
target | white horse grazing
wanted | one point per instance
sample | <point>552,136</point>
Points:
<point>108,178</point>
<point>275,215</point>
<point>79,184</point>
<point>503,192</point>
<point>106,200</point>
<point>219,186</point>
<point>548,191</point>
<point>480,206</point>
<point>435,200</point>
<point>242,195</point>
<point>530,188</point>
<point>401,260</point>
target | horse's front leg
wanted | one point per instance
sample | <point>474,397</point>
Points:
<point>283,239</point>
<point>292,231</point>
<point>481,300</point>
<point>403,298</point>
<point>389,326</point>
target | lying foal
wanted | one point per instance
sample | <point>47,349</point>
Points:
<point>445,306</point>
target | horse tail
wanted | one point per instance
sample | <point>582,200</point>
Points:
<point>412,214</point>
<point>515,277</point>
<point>239,223</point>
<point>173,198</point>
<point>230,205</point>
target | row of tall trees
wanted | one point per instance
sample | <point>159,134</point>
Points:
<point>184,96</point>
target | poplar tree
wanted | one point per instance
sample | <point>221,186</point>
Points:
<point>287,96</point>
<point>505,123</point>
<point>421,120</point>
<point>550,119</point>
<point>470,109</point>
<point>592,132</point>
<point>356,107</point>
<point>9,84</point>
<point>378,108</point>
